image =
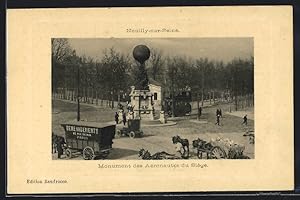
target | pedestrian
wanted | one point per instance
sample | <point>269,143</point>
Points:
<point>124,118</point>
<point>217,112</point>
<point>245,120</point>
<point>218,120</point>
<point>220,113</point>
<point>200,112</point>
<point>60,144</point>
<point>128,106</point>
<point>54,143</point>
<point>117,118</point>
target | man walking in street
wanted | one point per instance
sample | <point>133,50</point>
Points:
<point>117,118</point>
<point>217,112</point>
<point>245,120</point>
<point>218,120</point>
<point>60,146</point>
<point>200,112</point>
<point>124,118</point>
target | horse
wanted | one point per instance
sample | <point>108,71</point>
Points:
<point>185,145</point>
<point>146,155</point>
<point>251,136</point>
<point>202,145</point>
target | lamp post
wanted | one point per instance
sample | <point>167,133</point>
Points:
<point>78,96</point>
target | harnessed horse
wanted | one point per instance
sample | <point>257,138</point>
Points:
<point>146,155</point>
<point>185,145</point>
<point>202,145</point>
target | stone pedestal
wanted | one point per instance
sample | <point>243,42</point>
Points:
<point>130,115</point>
<point>142,100</point>
<point>162,117</point>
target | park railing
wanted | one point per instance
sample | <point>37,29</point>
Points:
<point>88,96</point>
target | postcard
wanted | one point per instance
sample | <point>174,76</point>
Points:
<point>165,99</point>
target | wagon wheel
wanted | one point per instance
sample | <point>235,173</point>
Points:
<point>68,153</point>
<point>118,133</point>
<point>141,133</point>
<point>199,154</point>
<point>132,134</point>
<point>88,153</point>
<point>218,153</point>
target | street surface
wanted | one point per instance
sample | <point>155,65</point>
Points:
<point>158,139</point>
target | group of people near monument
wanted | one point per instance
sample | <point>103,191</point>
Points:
<point>123,113</point>
<point>124,118</point>
<point>130,109</point>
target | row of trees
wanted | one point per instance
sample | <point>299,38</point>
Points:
<point>112,75</point>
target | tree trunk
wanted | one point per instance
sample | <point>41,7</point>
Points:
<point>73,98</point>
<point>96,96</point>
<point>202,98</point>
<point>118,97</point>
<point>93,95</point>
<point>112,100</point>
<point>64,91</point>
<point>89,94</point>
<point>86,95</point>
<point>236,102</point>
<point>173,103</point>
<point>198,106</point>
<point>202,95</point>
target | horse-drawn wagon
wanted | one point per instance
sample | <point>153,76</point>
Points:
<point>92,139</point>
<point>219,149</point>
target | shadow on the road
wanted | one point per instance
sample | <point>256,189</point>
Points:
<point>137,137</point>
<point>148,135</point>
<point>117,153</point>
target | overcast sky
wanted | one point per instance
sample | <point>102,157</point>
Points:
<point>222,49</point>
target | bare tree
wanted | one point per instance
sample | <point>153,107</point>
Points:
<point>114,71</point>
<point>156,63</point>
<point>60,49</point>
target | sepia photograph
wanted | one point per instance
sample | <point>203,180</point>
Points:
<point>122,101</point>
<point>152,98</point>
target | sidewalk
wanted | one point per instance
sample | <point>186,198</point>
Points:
<point>206,103</point>
<point>250,114</point>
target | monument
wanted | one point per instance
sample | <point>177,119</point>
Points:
<point>140,96</point>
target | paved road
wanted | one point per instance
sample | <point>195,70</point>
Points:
<point>126,148</point>
<point>158,139</point>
